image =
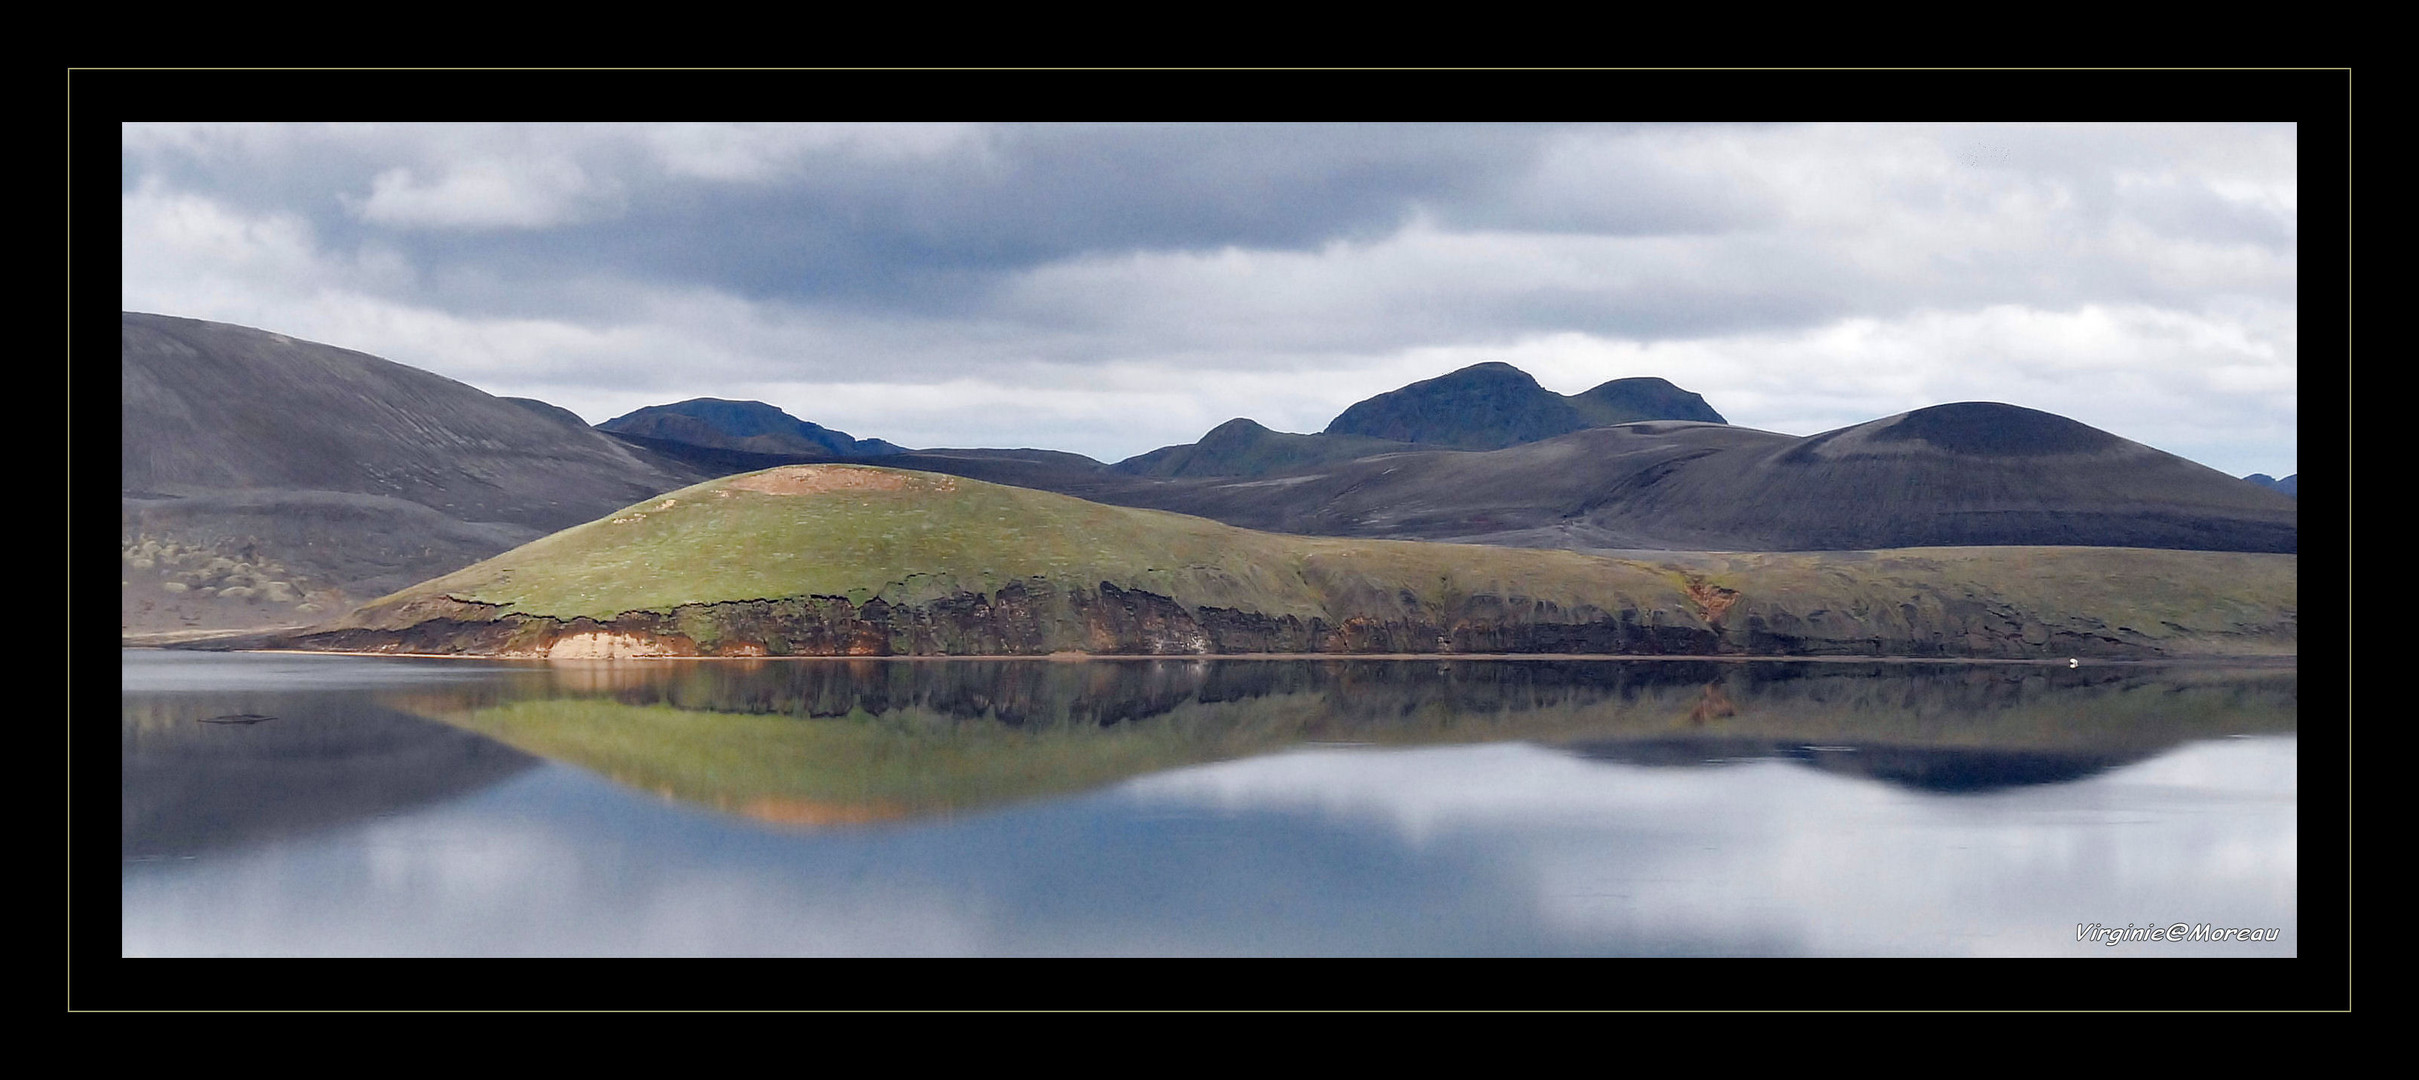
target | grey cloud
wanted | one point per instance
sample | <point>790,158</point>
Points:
<point>906,231</point>
<point>811,254</point>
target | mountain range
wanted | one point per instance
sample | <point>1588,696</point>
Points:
<point>1481,407</point>
<point>270,481</point>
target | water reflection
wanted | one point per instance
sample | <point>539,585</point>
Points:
<point>1343,807</point>
<point>853,742</point>
<point>300,761</point>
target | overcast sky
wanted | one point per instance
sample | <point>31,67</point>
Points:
<point>1112,289</point>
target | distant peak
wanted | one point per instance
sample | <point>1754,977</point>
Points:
<point>1643,397</point>
<point>1492,405</point>
<point>2290,485</point>
<point>1639,382</point>
<point>1492,369</point>
<point>742,425</point>
<point>704,407</point>
<point>1232,435</point>
<point>1995,428</point>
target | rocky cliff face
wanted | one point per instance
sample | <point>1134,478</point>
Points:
<point>1034,619</point>
<point>1022,619</point>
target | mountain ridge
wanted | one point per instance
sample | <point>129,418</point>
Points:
<point>1960,474</point>
<point>749,426</point>
<point>269,480</point>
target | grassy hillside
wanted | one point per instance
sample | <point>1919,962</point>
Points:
<point>843,559</point>
<point>908,538</point>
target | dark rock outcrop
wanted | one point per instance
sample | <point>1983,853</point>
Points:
<point>1019,620</point>
<point>1030,619</point>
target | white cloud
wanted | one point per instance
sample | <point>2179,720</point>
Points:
<point>1773,851</point>
<point>488,195</point>
<point>763,152</point>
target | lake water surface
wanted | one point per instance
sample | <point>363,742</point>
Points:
<point>291,805</point>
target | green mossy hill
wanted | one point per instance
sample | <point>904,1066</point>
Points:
<point>853,560</point>
<point>908,538</point>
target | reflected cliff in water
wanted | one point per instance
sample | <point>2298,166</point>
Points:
<point>851,742</point>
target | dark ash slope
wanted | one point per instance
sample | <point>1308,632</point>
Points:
<point>261,473</point>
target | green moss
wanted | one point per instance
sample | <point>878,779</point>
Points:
<point>937,537</point>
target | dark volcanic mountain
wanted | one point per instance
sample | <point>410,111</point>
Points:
<point>1972,473</point>
<point>1623,401</point>
<point>267,480</point>
<point>1242,447</point>
<point>748,426</point>
<point>1491,406</point>
<point>1482,407</point>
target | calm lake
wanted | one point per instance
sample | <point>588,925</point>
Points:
<point>292,805</point>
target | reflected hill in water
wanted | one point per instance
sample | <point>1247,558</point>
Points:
<point>289,764</point>
<point>1946,770</point>
<point>858,741</point>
